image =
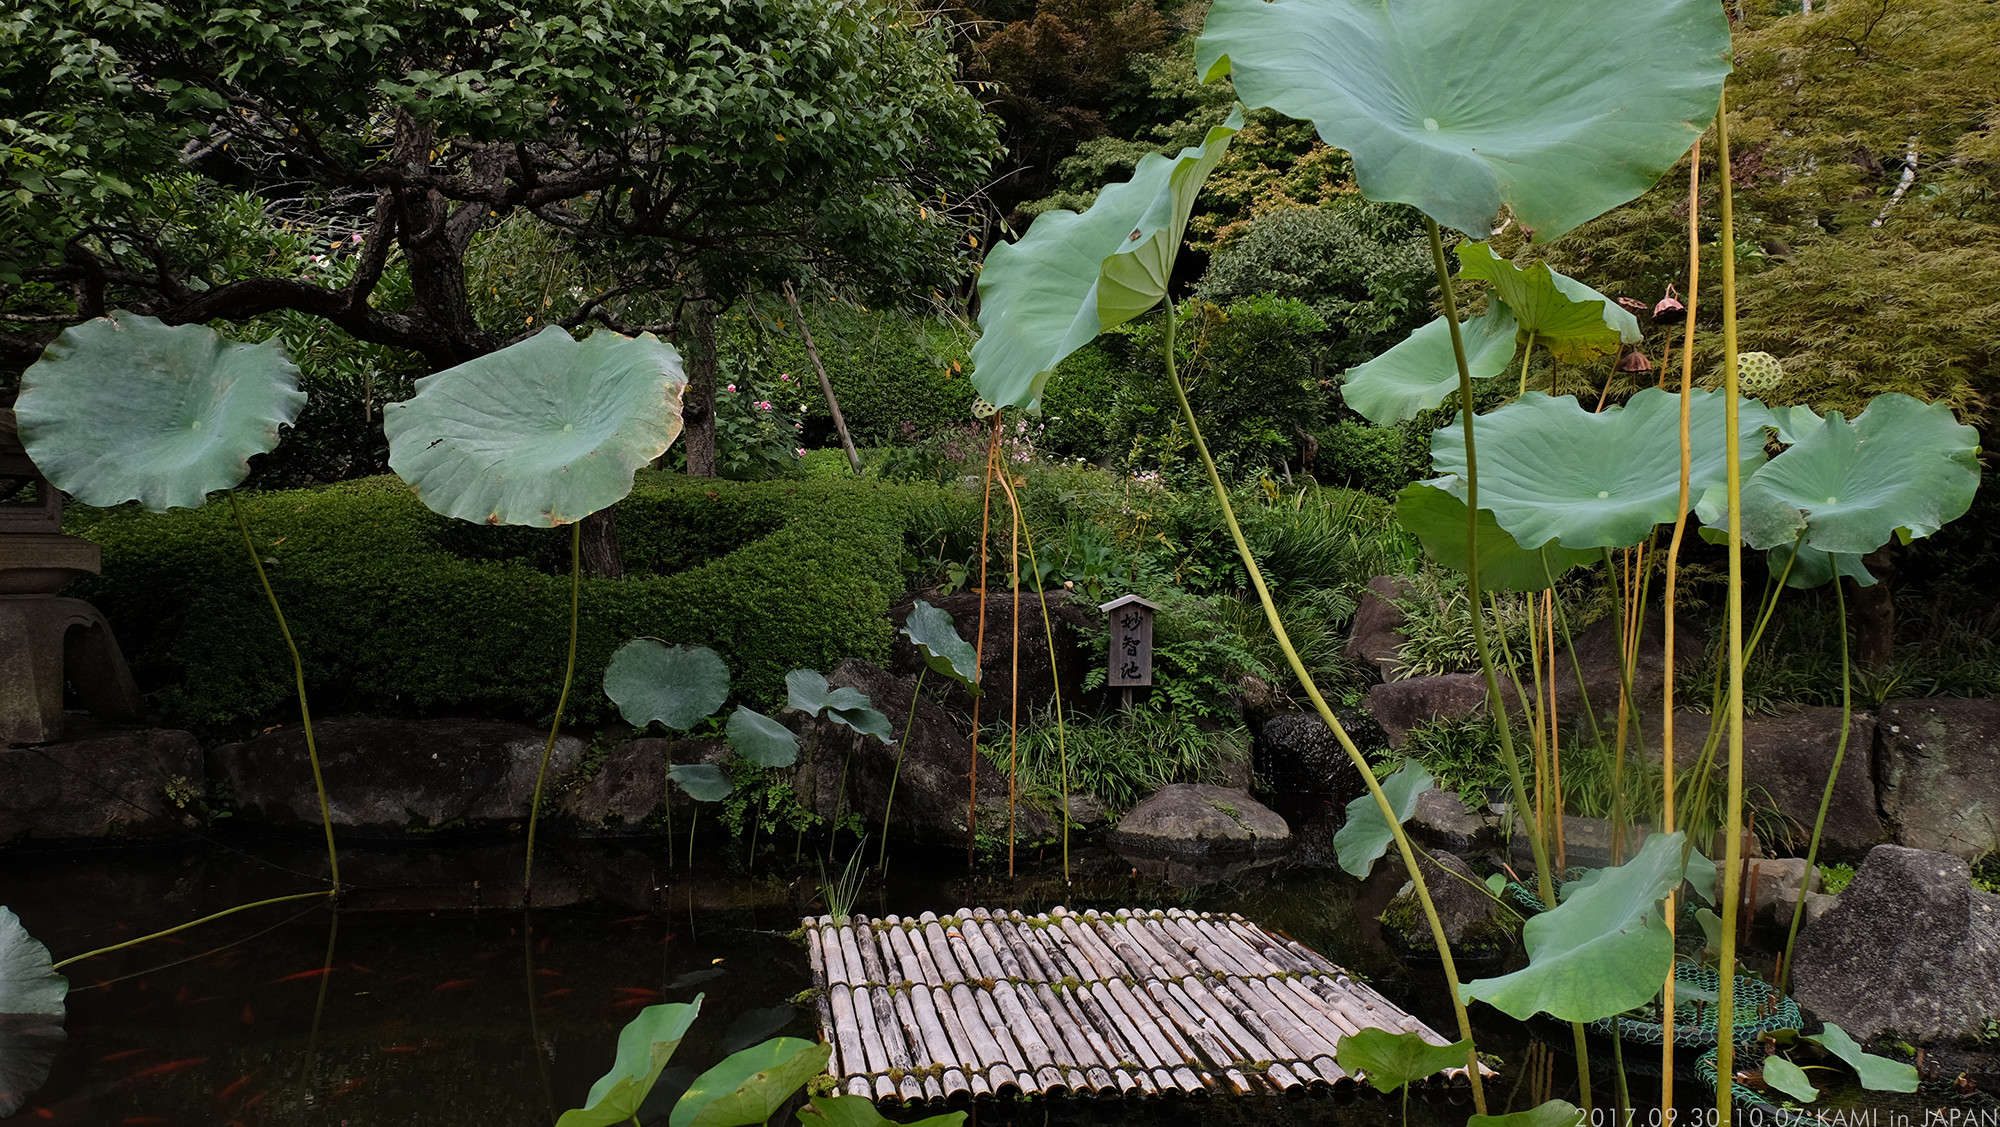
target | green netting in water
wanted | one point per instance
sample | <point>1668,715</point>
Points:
<point>1758,1006</point>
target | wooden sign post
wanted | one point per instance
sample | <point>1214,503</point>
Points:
<point>1131,649</point>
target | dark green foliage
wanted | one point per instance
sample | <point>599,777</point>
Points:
<point>897,378</point>
<point>1079,404</point>
<point>1377,460</point>
<point>1120,758</point>
<point>774,576</point>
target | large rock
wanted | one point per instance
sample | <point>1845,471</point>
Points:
<point>1193,833</point>
<point>629,793</point>
<point>115,784</point>
<point>1470,918</point>
<point>1399,706</point>
<point>1074,623</point>
<point>841,771</point>
<point>1377,633</point>
<point>1296,753</point>
<point>1938,774</point>
<point>1442,821</point>
<point>1786,759</point>
<point>1910,947</point>
<point>388,778</point>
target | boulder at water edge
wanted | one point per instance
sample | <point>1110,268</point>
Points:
<point>1377,633</point>
<point>126,784</point>
<point>1938,763</point>
<point>1910,948</point>
<point>1193,833</point>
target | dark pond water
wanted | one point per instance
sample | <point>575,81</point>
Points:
<point>425,1000</point>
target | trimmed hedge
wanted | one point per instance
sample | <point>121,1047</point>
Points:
<point>398,610</point>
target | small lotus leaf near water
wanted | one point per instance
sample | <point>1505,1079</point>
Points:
<point>1550,1113</point>
<point>807,691</point>
<point>859,1111</point>
<point>936,638</point>
<point>125,407</point>
<point>1365,836</point>
<point>1877,1073</point>
<point>645,1045</point>
<point>1559,110</point>
<point>541,433</point>
<point>679,686</point>
<point>1391,1060</point>
<point>32,1007</point>
<point>1074,276</point>
<point>748,1087</point>
<point>762,740</point>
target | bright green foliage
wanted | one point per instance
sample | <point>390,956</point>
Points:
<point>703,782</point>
<point>1422,371</point>
<point>1559,111</point>
<point>1789,1078</point>
<point>1390,1060</point>
<point>1602,951</point>
<point>1074,276</point>
<point>1548,469</point>
<point>1878,1074</point>
<point>762,740</point>
<point>678,686</point>
<point>748,1087</point>
<point>1365,836</point>
<point>1553,1113</point>
<point>807,691</point>
<point>932,632</point>
<point>894,375</point>
<point>1571,320</point>
<point>124,407</point>
<point>859,1111</point>
<point>645,1045</point>
<point>1436,517</point>
<point>543,433</point>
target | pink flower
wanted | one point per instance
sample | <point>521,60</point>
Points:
<point>762,404</point>
<point>802,451</point>
<point>731,387</point>
<point>783,378</point>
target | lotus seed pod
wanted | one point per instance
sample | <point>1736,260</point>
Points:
<point>1758,373</point>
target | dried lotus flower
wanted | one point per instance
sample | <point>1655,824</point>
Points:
<point>1635,362</point>
<point>1669,306</point>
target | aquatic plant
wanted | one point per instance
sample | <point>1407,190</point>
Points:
<point>937,641</point>
<point>32,1009</point>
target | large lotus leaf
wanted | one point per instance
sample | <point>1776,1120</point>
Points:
<point>762,740</point>
<point>1903,468</point>
<point>1433,514</point>
<point>807,691</point>
<point>1391,1060</point>
<point>1365,836</point>
<point>1419,372</point>
<point>31,1013</point>
<point>679,686</point>
<point>124,407</point>
<point>1571,320</point>
<point>542,433</point>
<point>1558,109</point>
<point>1595,479</point>
<point>1789,1078</point>
<point>748,1087</point>
<point>1074,276</point>
<point>1603,951</point>
<point>1814,568</point>
<point>1878,1074</point>
<point>703,782</point>
<point>1553,1113</point>
<point>859,1111</point>
<point>932,632</point>
<point>644,1047</point>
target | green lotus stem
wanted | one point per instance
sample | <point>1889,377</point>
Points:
<point>185,926</point>
<point>1627,649</point>
<point>1826,796</point>
<point>1332,722</point>
<point>909,727</point>
<point>1049,631</point>
<point>299,676</point>
<point>1526,354</point>
<point>1732,878</point>
<point>562,702</point>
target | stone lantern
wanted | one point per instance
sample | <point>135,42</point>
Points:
<point>47,641</point>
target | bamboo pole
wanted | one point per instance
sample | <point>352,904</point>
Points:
<point>816,959</point>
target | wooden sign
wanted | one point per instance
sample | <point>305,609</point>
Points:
<point>1131,650</point>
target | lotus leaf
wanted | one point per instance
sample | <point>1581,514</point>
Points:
<point>1789,1078</point>
<point>1421,372</point>
<point>1903,468</point>
<point>1365,836</point>
<point>807,691</point>
<point>541,433</point>
<point>1554,1113</point>
<point>859,1111</point>
<point>1878,1074</point>
<point>1603,951</point>
<point>762,740</point>
<point>679,686</point>
<point>1390,1060</point>
<point>1551,470</point>
<point>31,1013</point>
<point>932,632</point>
<point>1814,567</point>
<point>703,782</point>
<point>1571,320</point>
<point>749,1086</point>
<point>124,407</point>
<point>1433,514</point>
<point>644,1047</point>
<point>1558,109</point>
<point>1074,276</point>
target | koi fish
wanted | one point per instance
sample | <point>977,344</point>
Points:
<point>359,969</point>
<point>236,1086</point>
<point>628,1003</point>
<point>248,1015</point>
<point>45,1113</point>
<point>120,1055</point>
<point>164,1069</point>
<point>562,993</point>
<point>351,1086</point>
<point>645,991</point>
<point>454,984</point>
<point>631,919</point>
<point>400,1049</point>
<point>547,973</point>
<point>316,972</point>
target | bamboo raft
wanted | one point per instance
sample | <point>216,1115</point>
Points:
<point>989,1003</point>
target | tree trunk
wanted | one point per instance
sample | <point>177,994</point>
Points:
<point>698,405</point>
<point>600,545</point>
<point>825,385</point>
<point>1874,612</point>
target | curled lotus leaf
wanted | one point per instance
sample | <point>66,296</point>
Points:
<point>679,686</point>
<point>762,740</point>
<point>1814,568</point>
<point>645,1045</point>
<point>936,638</point>
<point>541,433</point>
<point>126,407</point>
<point>1074,276</point>
<point>1391,1060</point>
<point>1365,836</point>
<point>748,1087</point>
<point>1420,372</point>
<point>32,1007</point>
<point>1550,1113</point>
<point>1559,110</point>
<point>1550,470</point>
<point>807,691</point>
<point>703,782</point>
<point>1571,320</point>
<point>1434,514</point>
<point>1877,1073</point>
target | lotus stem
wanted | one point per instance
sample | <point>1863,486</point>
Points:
<point>562,702</point>
<point>1332,722</point>
<point>1732,877</point>
<point>187,925</point>
<point>979,644</point>
<point>909,727</point>
<point>1048,631</point>
<point>1826,797</point>
<point>299,677</point>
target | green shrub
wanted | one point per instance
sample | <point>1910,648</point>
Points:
<point>398,610</point>
<point>897,377</point>
<point>1118,759</point>
<point>1378,460</point>
<point>1078,403</point>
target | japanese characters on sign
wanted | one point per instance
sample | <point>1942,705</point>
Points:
<point>1131,648</point>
